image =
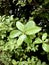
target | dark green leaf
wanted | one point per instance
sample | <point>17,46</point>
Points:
<point>28,40</point>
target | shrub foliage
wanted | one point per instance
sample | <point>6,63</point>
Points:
<point>24,32</point>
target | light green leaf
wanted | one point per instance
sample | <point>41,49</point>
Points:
<point>46,41</point>
<point>45,47</point>
<point>39,63</point>
<point>14,62</point>
<point>44,36</point>
<point>29,25</point>
<point>38,41</point>
<point>10,45</point>
<point>20,26</point>
<point>15,33</point>
<point>20,40</point>
<point>32,30</point>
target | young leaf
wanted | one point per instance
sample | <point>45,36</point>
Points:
<point>44,36</point>
<point>29,25</point>
<point>38,41</point>
<point>20,26</point>
<point>20,40</point>
<point>32,30</point>
<point>14,33</point>
<point>45,47</point>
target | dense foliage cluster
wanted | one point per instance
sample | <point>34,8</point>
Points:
<point>24,32</point>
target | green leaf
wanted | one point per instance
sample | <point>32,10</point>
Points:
<point>20,26</point>
<point>46,41</point>
<point>32,36</point>
<point>29,25</point>
<point>10,45</point>
<point>39,63</point>
<point>20,40</point>
<point>32,30</point>
<point>14,62</point>
<point>14,33</point>
<point>29,1</point>
<point>44,36</point>
<point>46,1</point>
<point>28,40</point>
<point>38,41</point>
<point>45,47</point>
